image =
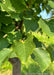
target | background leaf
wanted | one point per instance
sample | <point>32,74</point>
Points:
<point>3,43</point>
<point>4,18</point>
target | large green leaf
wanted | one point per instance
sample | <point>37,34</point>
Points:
<point>24,48</point>
<point>42,57</point>
<point>51,3</point>
<point>4,54</point>
<point>19,5</point>
<point>30,25</point>
<point>45,28</point>
<point>3,43</point>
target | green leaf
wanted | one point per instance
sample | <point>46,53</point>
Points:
<point>16,36</point>
<point>4,18</point>
<point>30,25</point>
<point>42,57</point>
<point>41,37</point>
<point>3,43</point>
<point>50,49</point>
<point>0,25</point>
<point>4,54</point>
<point>51,25</point>
<point>31,67</point>
<point>45,28</point>
<point>14,15</point>
<point>24,48</point>
<point>8,4</point>
<point>37,42</point>
<point>51,3</point>
<point>19,5</point>
<point>4,7</point>
<point>9,28</point>
<point>1,34</point>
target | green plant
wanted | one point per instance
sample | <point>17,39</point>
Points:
<point>24,34</point>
